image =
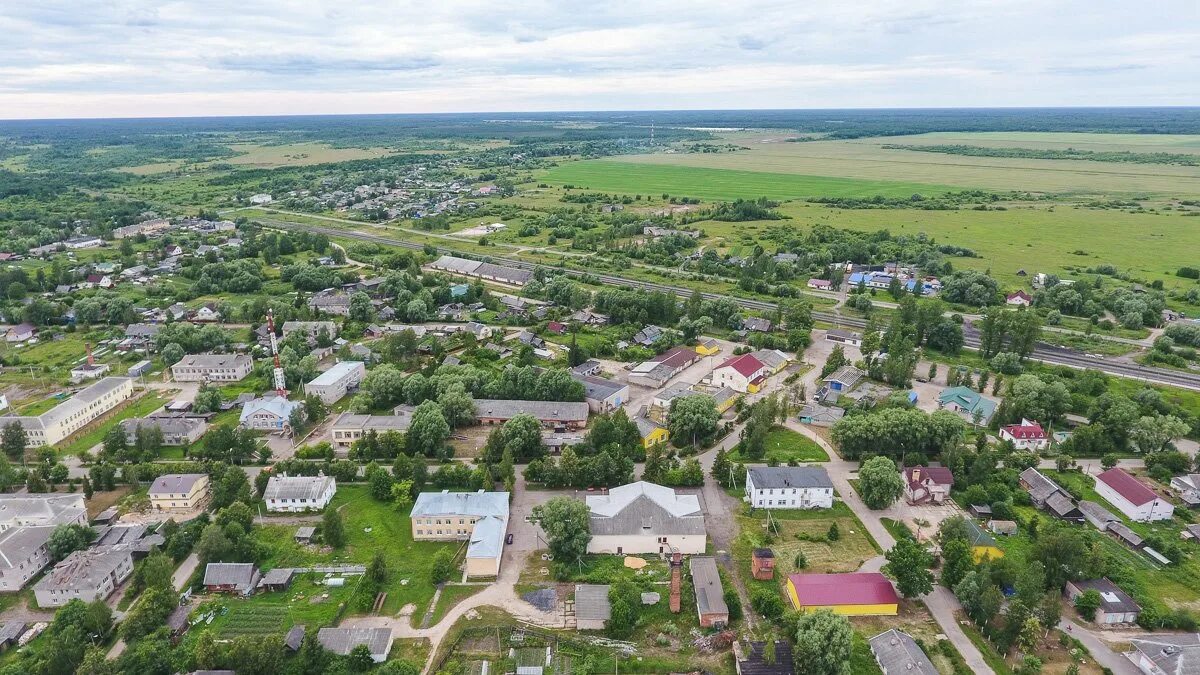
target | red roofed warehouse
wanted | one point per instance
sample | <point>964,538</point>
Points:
<point>1132,497</point>
<point>743,374</point>
<point>1025,436</point>
<point>852,594</point>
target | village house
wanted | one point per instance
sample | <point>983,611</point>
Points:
<point>239,578</point>
<point>643,517</point>
<point>178,491</point>
<point>22,332</point>
<point>1188,487</point>
<point>1018,299</point>
<point>330,302</point>
<point>927,485</point>
<point>286,493</point>
<point>820,284</point>
<point>331,385</point>
<point>968,404</point>
<point>1025,436</point>
<point>1050,496</point>
<point>1132,497</point>
<point>756,324</point>
<point>212,368</point>
<point>480,518</point>
<point>788,487</point>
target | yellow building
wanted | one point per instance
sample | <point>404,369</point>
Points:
<point>707,347</point>
<point>850,594</point>
<point>982,543</point>
<point>480,518</point>
<point>73,414</point>
<point>178,491</point>
<point>652,433</point>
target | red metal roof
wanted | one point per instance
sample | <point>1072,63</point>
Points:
<point>677,357</point>
<point>853,588</point>
<point>1025,431</point>
<point>745,364</point>
<point>1020,294</point>
<point>938,474</point>
<point>1127,486</point>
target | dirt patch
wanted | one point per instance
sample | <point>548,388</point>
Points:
<point>103,500</point>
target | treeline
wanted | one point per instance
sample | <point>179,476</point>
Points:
<point>745,209</point>
<point>1178,159</point>
<point>949,201</point>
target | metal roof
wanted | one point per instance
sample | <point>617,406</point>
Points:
<point>298,487</point>
<point>342,640</point>
<point>644,509</point>
<point>548,411</point>
<point>240,575</point>
<point>84,570</point>
<point>775,477</point>
<point>461,503</point>
<point>175,483</point>
<point>1112,598</point>
<point>897,652</point>
<point>852,588</point>
<point>706,581</point>
<point>591,602</point>
<point>337,372</point>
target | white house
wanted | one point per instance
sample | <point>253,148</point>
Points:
<point>1132,497</point>
<point>1018,299</point>
<point>299,493</point>
<point>743,374</point>
<point>789,487</point>
<point>271,414</point>
<point>332,385</point>
<point>1025,436</point>
<point>643,517</point>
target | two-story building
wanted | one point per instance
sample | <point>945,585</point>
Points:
<point>480,518</point>
<point>789,487</point>
<point>286,493</point>
<point>178,491</point>
<point>331,385</point>
<point>212,368</point>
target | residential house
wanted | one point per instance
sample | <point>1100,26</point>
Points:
<point>1132,497</point>
<point>1018,299</point>
<point>983,545</point>
<point>652,432</point>
<point>176,431</point>
<point>927,485</point>
<point>212,368</point>
<point>1027,435</point>
<point>1188,487</point>
<point>710,597</point>
<point>820,284</point>
<point>178,491</point>
<point>592,606</point>
<point>898,654</point>
<point>643,517</point>
<point>240,578</point>
<point>87,575</point>
<point>342,641</point>
<point>26,523</point>
<point>22,332</point>
<point>480,331</point>
<point>589,318</point>
<point>311,329</point>
<point>848,594</point>
<point>73,414</point>
<point>844,337</point>
<point>207,313</point>
<point>968,404</point>
<point>331,385</point>
<point>271,413</point>
<point>480,518</point>
<point>788,487</point>
<point>551,414</point>
<point>1048,495</point>
<point>756,324</point>
<point>647,336</point>
<point>602,395</point>
<point>286,493</point>
<point>743,373</point>
<point>330,302</point>
<point>1116,607</point>
<point>349,427</point>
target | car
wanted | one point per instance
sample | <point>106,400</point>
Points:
<point>508,539</point>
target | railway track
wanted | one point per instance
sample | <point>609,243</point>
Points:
<point>1043,352</point>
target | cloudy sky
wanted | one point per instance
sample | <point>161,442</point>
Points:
<point>136,58</point>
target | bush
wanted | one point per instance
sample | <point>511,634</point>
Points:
<point>766,602</point>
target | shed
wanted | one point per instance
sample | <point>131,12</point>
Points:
<point>305,534</point>
<point>278,579</point>
<point>762,564</point>
<point>294,638</point>
<point>177,623</point>
<point>10,632</point>
<point>1005,527</point>
<point>710,596</point>
<point>592,607</point>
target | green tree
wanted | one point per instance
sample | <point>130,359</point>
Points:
<point>693,419</point>
<point>443,566</point>
<point>1153,433</point>
<point>172,353</point>
<point>521,436</point>
<point>428,432</point>
<point>957,561</point>
<point>14,439</point>
<point>1087,603</point>
<point>909,563</point>
<point>66,539</point>
<point>823,643</point>
<point>565,522</point>
<point>879,482</point>
<point>333,530</point>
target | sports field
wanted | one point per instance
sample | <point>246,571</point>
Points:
<point>643,174</point>
<point>867,161</point>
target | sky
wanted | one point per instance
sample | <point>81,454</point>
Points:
<point>154,58</point>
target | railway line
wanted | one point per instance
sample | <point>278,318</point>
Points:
<point>1043,352</point>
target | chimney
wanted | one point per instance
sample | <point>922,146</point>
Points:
<point>916,474</point>
<point>90,361</point>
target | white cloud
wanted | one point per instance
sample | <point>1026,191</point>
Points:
<point>64,58</point>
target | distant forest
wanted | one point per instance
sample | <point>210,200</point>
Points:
<point>1178,159</point>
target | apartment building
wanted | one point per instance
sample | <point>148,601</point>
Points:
<point>212,368</point>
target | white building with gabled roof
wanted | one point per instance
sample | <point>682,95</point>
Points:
<point>286,493</point>
<point>643,517</point>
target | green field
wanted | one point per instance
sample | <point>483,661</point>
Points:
<point>94,434</point>
<point>629,177</point>
<point>866,159</point>
<point>785,445</point>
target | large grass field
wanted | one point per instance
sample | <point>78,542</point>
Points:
<point>370,526</point>
<point>866,159</point>
<point>94,434</point>
<point>785,445</point>
<point>714,182</point>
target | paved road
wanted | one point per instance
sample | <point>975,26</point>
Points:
<point>1099,649</point>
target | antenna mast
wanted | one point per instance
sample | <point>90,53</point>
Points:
<point>280,380</point>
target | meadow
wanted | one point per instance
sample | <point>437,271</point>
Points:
<point>866,159</point>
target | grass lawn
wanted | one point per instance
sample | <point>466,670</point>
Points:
<point>409,561</point>
<point>94,433</point>
<point>785,446</point>
<point>451,596</point>
<point>862,661</point>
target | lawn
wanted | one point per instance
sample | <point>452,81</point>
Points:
<point>94,433</point>
<point>622,176</point>
<point>452,594</point>
<point>786,446</point>
<point>370,525</point>
<point>800,531</point>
